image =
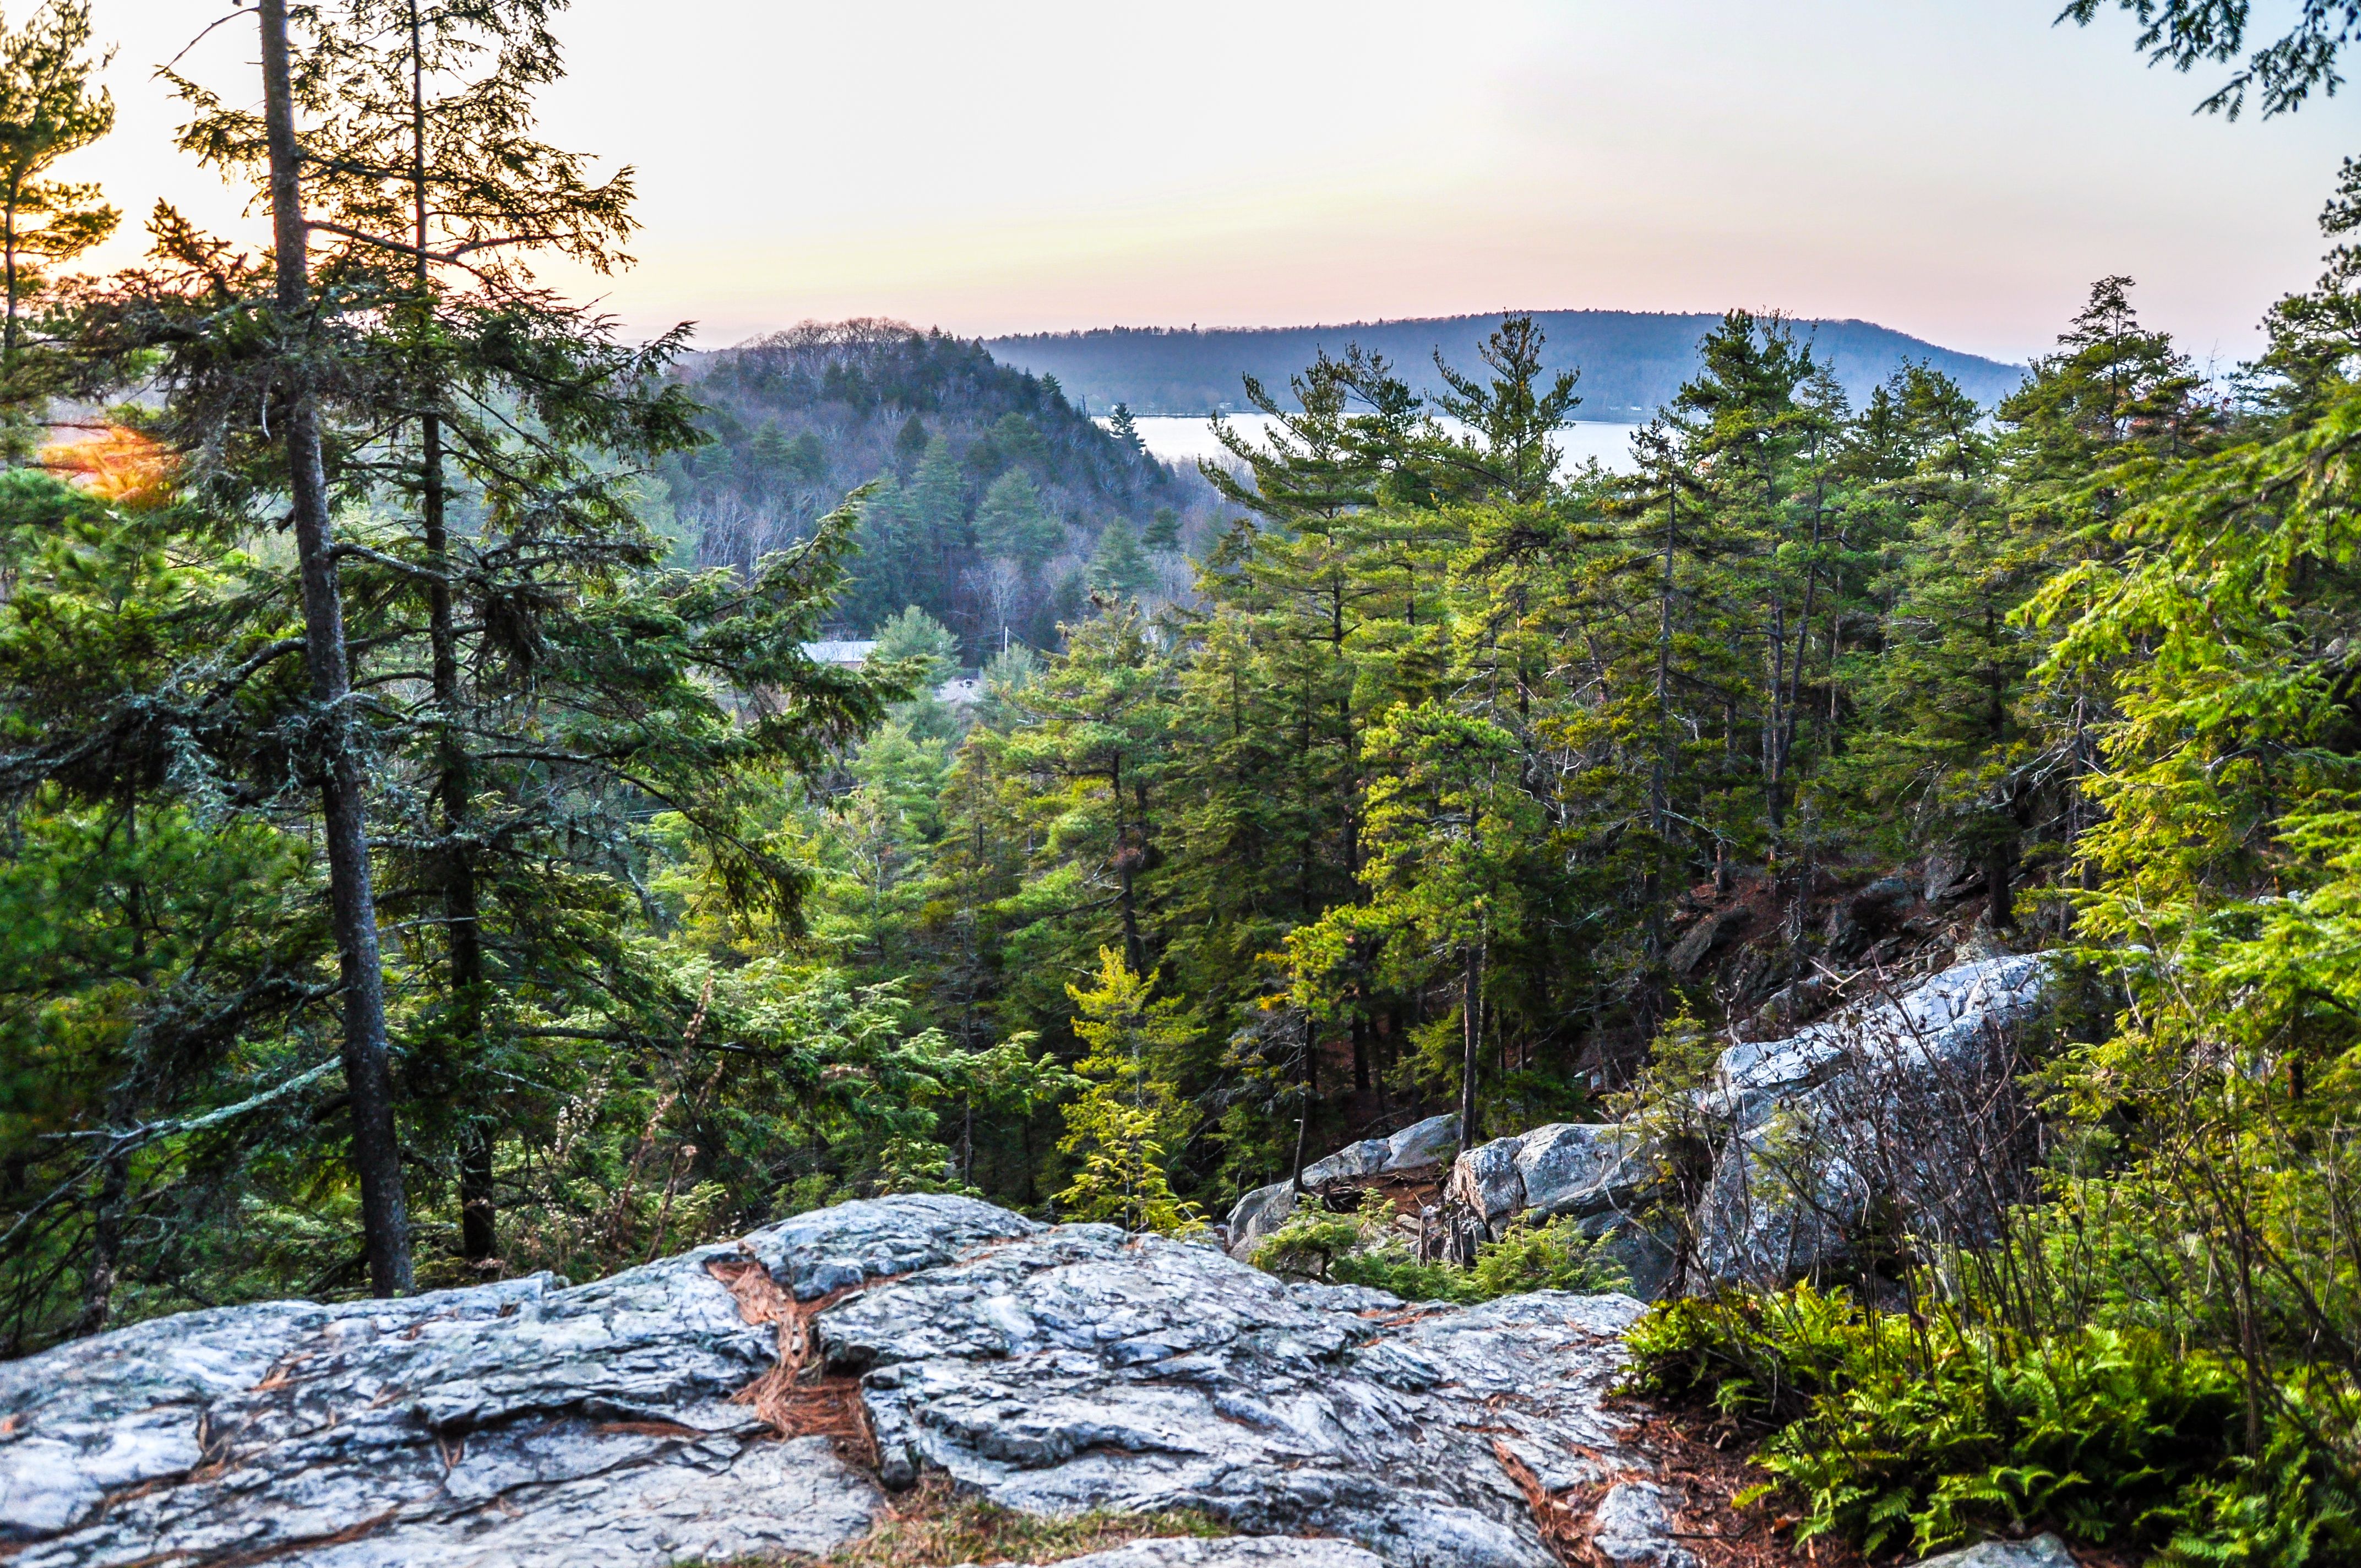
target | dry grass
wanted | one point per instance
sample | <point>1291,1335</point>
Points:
<point>931,1525</point>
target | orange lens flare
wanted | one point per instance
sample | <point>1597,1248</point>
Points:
<point>113,462</point>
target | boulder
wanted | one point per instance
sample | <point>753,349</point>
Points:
<point>2041,1552</point>
<point>1485,1187</point>
<point>762,1397</point>
<point>1900,1112</point>
<point>1566,1168</point>
<point>1087,1369</point>
<point>1422,1144</point>
<point>1645,1247</point>
<point>1414,1148</point>
<point>1605,1173</point>
<point>1350,1163</point>
<point>1933,1023</point>
<point>1257,1214</point>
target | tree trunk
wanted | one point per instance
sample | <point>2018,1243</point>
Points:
<point>106,1226</point>
<point>2000,854</point>
<point>1310,1090</point>
<point>1660,778</point>
<point>1471,1026</point>
<point>2000,868</point>
<point>1133,951</point>
<point>478,1238</point>
<point>8,221</point>
<point>368,1078</point>
<point>1786,744</point>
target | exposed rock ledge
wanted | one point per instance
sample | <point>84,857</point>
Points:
<point>621,1422</point>
<point>1901,1106</point>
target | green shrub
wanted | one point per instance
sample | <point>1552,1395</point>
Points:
<point>1892,1432</point>
<point>1552,1256</point>
<point>1363,1248</point>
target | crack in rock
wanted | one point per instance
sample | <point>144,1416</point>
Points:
<point>1053,1370</point>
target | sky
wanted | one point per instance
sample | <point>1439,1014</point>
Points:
<point>1959,170</point>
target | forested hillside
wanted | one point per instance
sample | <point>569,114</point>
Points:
<point>995,494</point>
<point>1456,750</point>
<point>436,854</point>
<point>1632,362</point>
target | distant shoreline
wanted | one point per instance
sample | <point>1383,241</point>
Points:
<point>1185,438</point>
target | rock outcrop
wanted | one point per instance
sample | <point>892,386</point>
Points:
<point>1903,1108</point>
<point>509,1423</point>
<point>1419,1147</point>
<point>1901,1112</point>
<point>764,1396</point>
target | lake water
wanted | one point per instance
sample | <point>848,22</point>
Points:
<point>1177,439</point>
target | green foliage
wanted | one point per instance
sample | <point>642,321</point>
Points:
<point>1012,523</point>
<point>1367,1248</point>
<point>924,649</point>
<point>1896,1431</point>
<point>1127,1127</point>
<point>1163,531</point>
<point>50,106</point>
<point>801,417</point>
<point>2284,71</point>
<point>1555,1255</point>
<point>1423,793</point>
<point>1119,566</point>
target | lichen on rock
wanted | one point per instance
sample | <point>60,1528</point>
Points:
<point>1054,1370</point>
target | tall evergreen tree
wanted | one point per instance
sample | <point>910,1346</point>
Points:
<point>49,108</point>
<point>569,681</point>
<point>1012,525</point>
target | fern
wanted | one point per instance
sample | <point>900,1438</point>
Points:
<point>1893,1434</point>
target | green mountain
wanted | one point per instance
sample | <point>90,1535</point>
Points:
<point>1632,362</point>
<point>993,491</point>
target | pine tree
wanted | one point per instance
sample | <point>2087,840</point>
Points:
<point>1125,430</point>
<point>1508,454</point>
<point>1162,533</point>
<point>2114,397</point>
<point>1947,737</point>
<point>563,665</point>
<point>1757,423</point>
<point>1126,1128</point>
<point>159,954</point>
<point>1448,824</point>
<point>1119,566</point>
<point>1096,750</point>
<point>910,441</point>
<point>48,109</point>
<point>937,507</point>
<point>1012,525</point>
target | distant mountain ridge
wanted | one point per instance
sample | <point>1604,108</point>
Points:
<point>1632,362</point>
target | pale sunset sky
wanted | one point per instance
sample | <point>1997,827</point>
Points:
<point>1957,168</point>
